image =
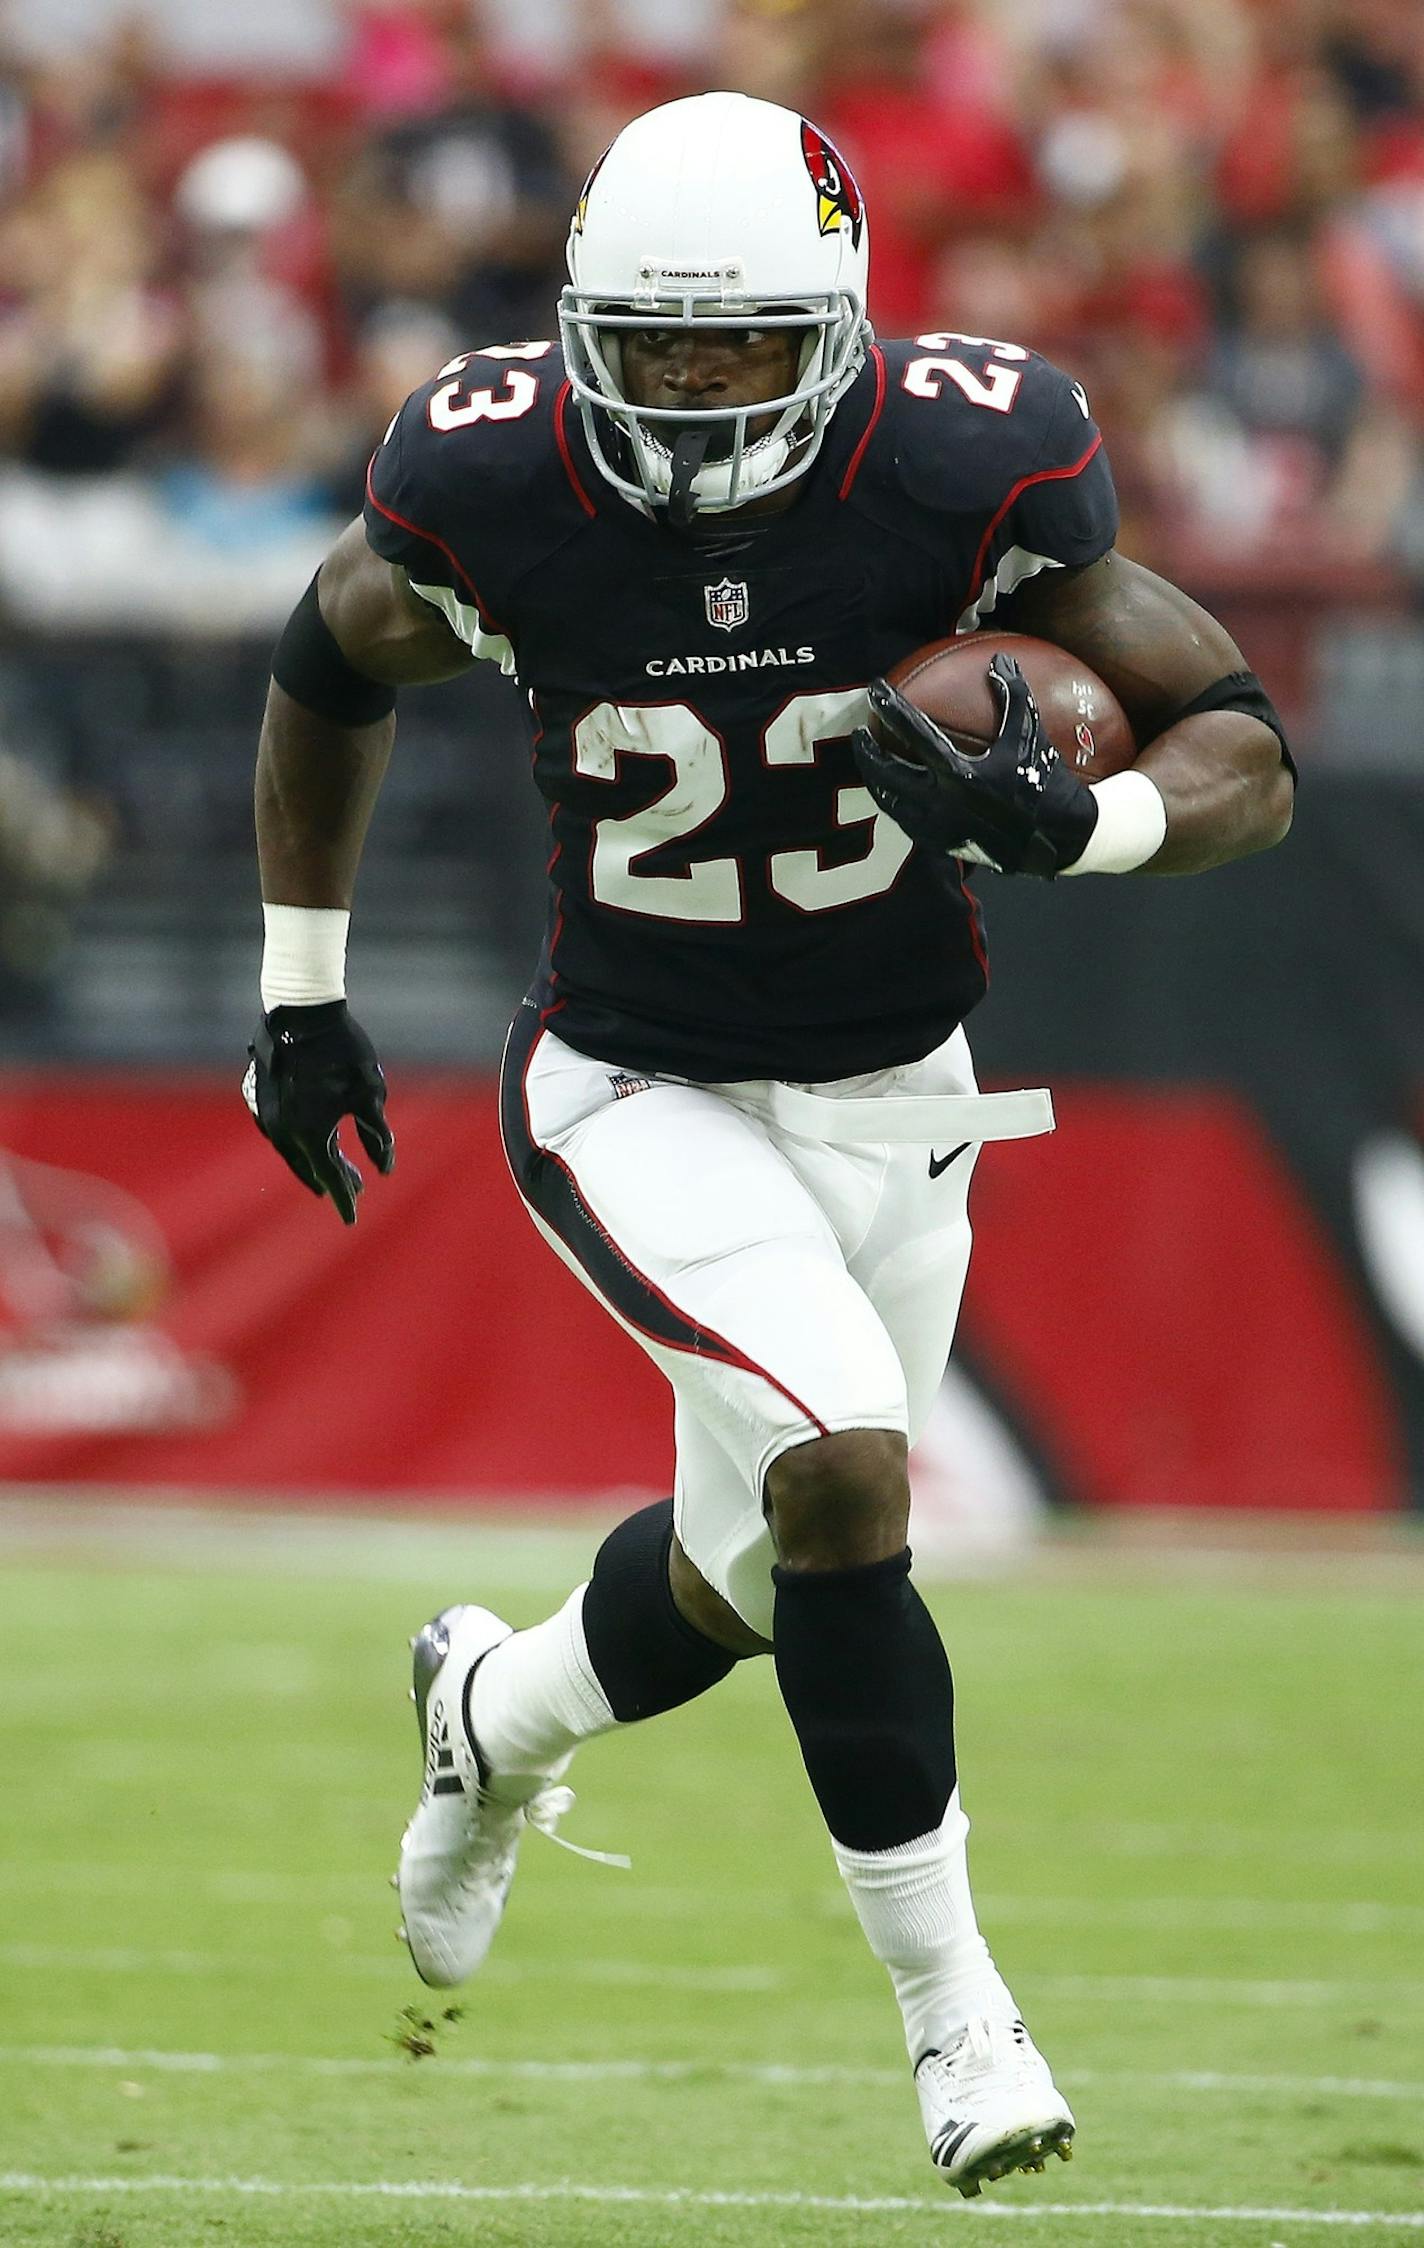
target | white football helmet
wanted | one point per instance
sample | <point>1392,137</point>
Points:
<point>735,212</point>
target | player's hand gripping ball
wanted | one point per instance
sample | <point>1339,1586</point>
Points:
<point>960,757</point>
<point>308,1067</point>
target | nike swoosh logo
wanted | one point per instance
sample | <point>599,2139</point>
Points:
<point>940,1163</point>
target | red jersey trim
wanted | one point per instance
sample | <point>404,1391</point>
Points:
<point>869,431</point>
<point>976,926</point>
<point>557,999</point>
<point>430,539</point>
<point>565,451</point>
<point>701,1342</point>
<point>1040,476</point>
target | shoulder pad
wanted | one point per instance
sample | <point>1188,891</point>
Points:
<point>988,456</point>
<point>968,417</point>
<point>471,477</point>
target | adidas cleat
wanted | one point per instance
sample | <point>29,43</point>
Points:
<point>990,2106</point>
<point>458,1853</point>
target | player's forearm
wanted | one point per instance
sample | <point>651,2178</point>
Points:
<point>1223,783</point>
<point>317,783</point>
<point>1225,790</point>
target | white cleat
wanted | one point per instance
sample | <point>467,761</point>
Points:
<point>458,1852</point>
<point>991,2106</point>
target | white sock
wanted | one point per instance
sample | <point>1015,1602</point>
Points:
<point>914,1904</point>
<point>535,1696</point>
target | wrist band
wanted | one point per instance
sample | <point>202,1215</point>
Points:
<point>303,955</point>
<point>1131,826</point>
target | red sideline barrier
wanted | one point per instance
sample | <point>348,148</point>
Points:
<point>1155,1296</point>
<point>438,1346</point>
<point>1151,1302</point>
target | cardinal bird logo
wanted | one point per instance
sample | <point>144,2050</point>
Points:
<point>581,208</point>
<point>837,194</point>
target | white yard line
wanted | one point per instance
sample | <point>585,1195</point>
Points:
<point>688,2197</point>
<point>1165,1838</point>
<point>1221,1990</point>
<point>1356,1917</point>
<point>632,1974</point>
<point>1291,2087</point>
<point>660,1901</point>
<point>1348,1917</point>
<point>639,1974</point>
<point>129,2058</point>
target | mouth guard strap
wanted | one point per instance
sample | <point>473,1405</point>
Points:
<point>689,451</point>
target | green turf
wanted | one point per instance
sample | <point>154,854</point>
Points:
<point>1197,1853</point>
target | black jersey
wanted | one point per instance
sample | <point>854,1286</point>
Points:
<point>726,900</point>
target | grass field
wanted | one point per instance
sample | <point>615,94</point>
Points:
<point>1197,1850</point>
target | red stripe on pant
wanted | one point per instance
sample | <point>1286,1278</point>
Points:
<point>550,1187</point>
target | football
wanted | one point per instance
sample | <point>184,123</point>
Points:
<point>949,682</point>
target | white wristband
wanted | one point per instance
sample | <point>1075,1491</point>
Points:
<point>304,955</point>
<point>1131,826</point>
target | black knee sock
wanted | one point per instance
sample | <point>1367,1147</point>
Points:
<point>866,1683</point>
<point>646,1656</point>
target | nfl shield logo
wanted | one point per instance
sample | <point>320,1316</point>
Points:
<point>726,605</point>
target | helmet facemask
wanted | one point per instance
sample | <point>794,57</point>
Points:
<point>637,447</point>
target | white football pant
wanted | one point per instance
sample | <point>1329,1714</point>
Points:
<point>788,1288</point>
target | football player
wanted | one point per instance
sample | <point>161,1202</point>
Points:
<point>696,530</point>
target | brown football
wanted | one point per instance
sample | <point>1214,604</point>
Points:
<point>949,682</point>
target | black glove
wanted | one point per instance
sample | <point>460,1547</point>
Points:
<point>1014,806</point>
<point>309,1067</point>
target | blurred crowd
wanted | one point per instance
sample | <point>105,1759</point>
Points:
<point>216,284</point>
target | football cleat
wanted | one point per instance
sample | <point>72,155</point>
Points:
<point>991,2106</point>
<point>458,1853</point>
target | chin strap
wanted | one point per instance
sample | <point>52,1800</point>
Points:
<point>689,451</point>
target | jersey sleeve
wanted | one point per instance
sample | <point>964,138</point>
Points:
<point>409,522</point>
<point>1059,511</point>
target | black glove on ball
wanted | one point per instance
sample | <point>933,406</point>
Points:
<point>309,1067</point>
<point>1014,806</point>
